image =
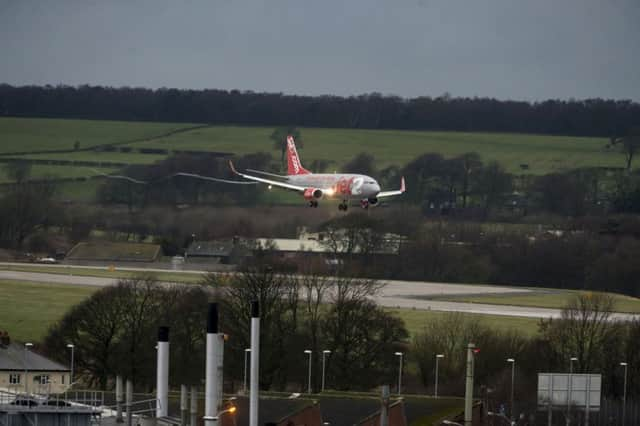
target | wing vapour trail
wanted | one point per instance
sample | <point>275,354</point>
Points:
<point>191,175</point>
<point>130,179</point>
<point>235,182</point>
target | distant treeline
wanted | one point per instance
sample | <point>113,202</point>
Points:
<point>591,117</point>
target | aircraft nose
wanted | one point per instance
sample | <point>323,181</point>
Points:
<point>376,188</point>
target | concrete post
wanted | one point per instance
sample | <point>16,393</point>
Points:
<point>194,406</point>
<point>587,408</point>
<point>119,399</point>
<point>255,363</point>
<point>213,373</point>
<point>184,406</point>
<point>384,406</point>
<point>129,402</point>
<point>468,395</point>
<point>162,376</point>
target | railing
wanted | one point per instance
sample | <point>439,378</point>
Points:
<point>49,402</point>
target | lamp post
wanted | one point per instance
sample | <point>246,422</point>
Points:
<point>513,377</point>
<point>71,346</point>
<point>624,394</point>
<point>309,352</point>
<point>435,392</point>
<point>26,368</point>
<point>573,358</point>
<point>399,354</point>
<point>324,354</point>
<point>246,354</point>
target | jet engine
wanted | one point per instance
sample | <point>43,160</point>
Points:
<point>312,193</point>
<point>368,202</point>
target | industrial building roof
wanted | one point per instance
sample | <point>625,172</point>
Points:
<point>14,357</point>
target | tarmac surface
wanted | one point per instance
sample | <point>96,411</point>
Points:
<point>396,294</point>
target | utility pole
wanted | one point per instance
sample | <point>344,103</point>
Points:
<point>468,395</point>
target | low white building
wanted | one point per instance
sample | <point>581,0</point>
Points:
<point>23,370</point>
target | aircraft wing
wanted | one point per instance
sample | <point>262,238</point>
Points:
<point>392,193</point>
<point>268,181</point>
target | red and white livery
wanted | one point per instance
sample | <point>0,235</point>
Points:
<point>313,187</point>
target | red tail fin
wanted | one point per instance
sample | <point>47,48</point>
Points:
<point>293,161</point>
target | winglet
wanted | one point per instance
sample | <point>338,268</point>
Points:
<point>402,185</point>
<point>233,169</point>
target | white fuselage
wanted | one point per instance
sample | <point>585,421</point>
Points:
<point>342,186</point>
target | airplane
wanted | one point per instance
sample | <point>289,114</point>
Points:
<point>314,187</point>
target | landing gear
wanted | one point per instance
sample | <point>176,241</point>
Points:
<point>343,206</point>
<point>364,204</point>
<point>313,203</point>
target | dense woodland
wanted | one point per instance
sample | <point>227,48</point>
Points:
<point>590,117</point>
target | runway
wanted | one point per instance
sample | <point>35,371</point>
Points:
<point>396,294</point>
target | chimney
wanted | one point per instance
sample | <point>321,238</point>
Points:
<point>214,365</point>
<point>162,377</point>
<point>255,363</point>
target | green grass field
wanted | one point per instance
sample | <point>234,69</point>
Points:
<point>415,319</point>
<point>29,309</point>
<point>118,157</point>
<point>545,299</point>
<point>543,153</point>
<point>41,171</point>
<point>178,277</point>
<point>36,134</point>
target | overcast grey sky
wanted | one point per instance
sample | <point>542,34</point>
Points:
<point>509,49</point>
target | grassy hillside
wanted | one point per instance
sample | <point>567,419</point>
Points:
<point>40,171</point>
<point>543,153</point>
<point>37,134</point>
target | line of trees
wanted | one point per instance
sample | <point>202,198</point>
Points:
<point>114,333</point>
<point>463,186</point>
<point>114,330</point>
<point>591,117</point>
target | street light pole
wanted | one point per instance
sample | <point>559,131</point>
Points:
<point>71,346</point>
<point>324,354</point>
<point>624,394</point>
<point>309,352</point>
<point>573,358</point>
<point>435,392</point>
<point>246,354</point>
<point>400,354</point>
<point>513,377</point>
<point>26,368</point>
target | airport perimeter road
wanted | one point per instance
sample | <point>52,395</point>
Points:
<point>397,294</point>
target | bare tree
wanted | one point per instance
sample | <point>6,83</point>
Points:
<point>583,331</point>
<point>277,295</point>
<point>629,145</point>
<point>114,331</point>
